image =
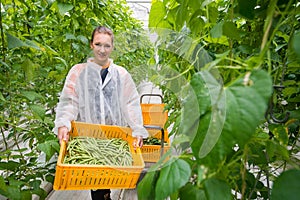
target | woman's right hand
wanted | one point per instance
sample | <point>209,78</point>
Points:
<point>63,134</point>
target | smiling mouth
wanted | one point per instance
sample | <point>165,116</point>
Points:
<point>101,55</point>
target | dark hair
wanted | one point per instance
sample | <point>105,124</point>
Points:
<point>105,30</point>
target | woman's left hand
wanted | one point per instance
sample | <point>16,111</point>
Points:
<point>138,142</point>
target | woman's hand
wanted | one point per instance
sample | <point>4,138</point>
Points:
<point>63,134</point>
<point>138,142</point>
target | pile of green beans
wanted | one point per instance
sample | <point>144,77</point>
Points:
<point>94,151</point>
<point>153,141</point>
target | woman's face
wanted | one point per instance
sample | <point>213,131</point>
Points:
<point>102,47</point>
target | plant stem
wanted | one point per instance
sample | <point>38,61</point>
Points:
<point>267,175</point>
<point>243,173</point>
<point>254,186</point>
<point>267,39</point>
<point>4,140</point>
<point>18,146</point>
<point>2,36</point>
<point>268,23</point>
<point>230,40</point>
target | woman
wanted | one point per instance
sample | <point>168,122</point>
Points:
<point>100,92</point>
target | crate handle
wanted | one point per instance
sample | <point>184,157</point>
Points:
<point>138,151</point>
<point>157,95</point>
<point>62,147</point>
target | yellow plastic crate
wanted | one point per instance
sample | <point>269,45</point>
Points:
<point>154,114</point>
<point>157,134</point>
<point>83,177</point>
<point>151,153</point>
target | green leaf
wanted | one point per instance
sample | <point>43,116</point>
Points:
<point>64,8</point>
<point>49,50</point>
<point>49,178</point>
<point>231,31</point>
<point>258,155</point>
<point>62,60</point>
<point>70,36</point>
<point>203,123</point>
<point>49,147</point>
<point>29,68</point>
<point>14,42</point>
<point>40,192</point>
<point>180,139</point>
<point>5,64</point>
<point>190,113</point>
<point>13,193</point>
<point>195,5</point>
<point>201,57</point>
<point>289,91</point>
<point>32,44</point>
<point>190,191</point>
<point>216,189</point>
<point>217,30</point>
<point>13,190</point>
<point>287,186</point>
<point>205,3</point>
<point>146,188</point>
<point>281,134</point>
<point>46,148</point>
<point>2,97</point>
<point>176,172</point>
<point>13,182</point>
<point>213,13</point>
<point>246,102</point>
<point>245,105</point>
<point>201,174</point>
<point>185,46</point>
<point>9,165</point>
<point>296,44</point>
<point>35,184</point>
<point>2,184</point>
<point>196,23</point>
<point>39,111</point>
<point>55,145</point>
<point>246,8</point>
<point>277,151</point>
<point>181,15</point>
<point>23,194</point>
<point>31,95</point>
<point>157,16</point>
<point>83,39</point>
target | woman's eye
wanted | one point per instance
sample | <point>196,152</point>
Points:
<point>106,46</point>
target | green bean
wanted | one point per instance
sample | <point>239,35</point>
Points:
<point>87,150</point>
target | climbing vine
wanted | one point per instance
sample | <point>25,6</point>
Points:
<point>230,73</point>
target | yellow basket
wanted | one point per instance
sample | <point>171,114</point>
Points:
<point>151,153</point>
<point>157,134</point>
<point>154,114</point>
<point>83,177</point>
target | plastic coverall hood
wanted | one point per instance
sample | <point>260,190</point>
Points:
<point>85,98</point>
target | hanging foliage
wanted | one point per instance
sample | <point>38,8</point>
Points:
<point>230,75</point>
<point>40,42</point>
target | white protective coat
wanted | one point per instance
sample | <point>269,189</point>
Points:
<point>84,98</point>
